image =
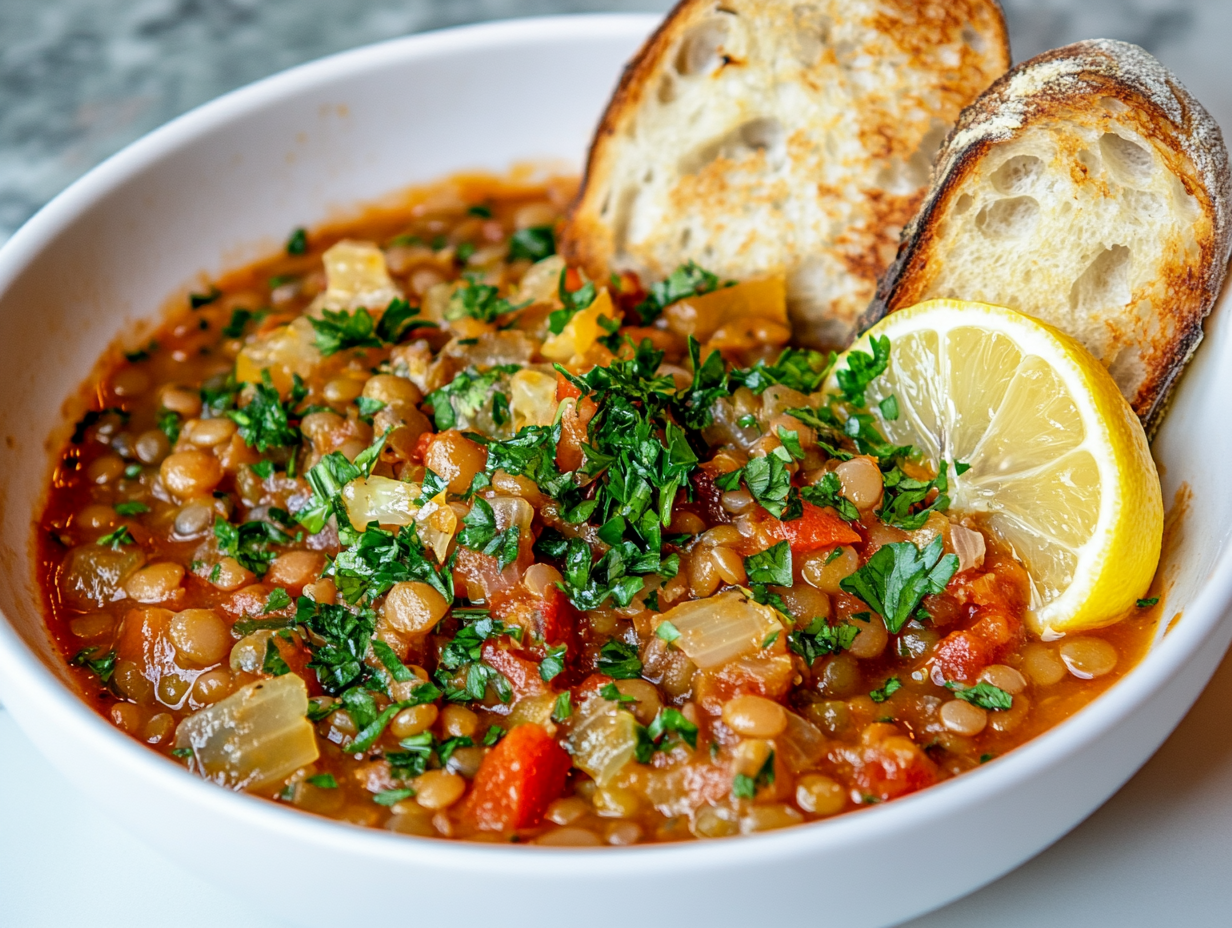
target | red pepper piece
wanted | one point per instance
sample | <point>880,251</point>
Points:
<point>518,780</point>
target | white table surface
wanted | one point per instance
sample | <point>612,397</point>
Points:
<point>1158,854</point>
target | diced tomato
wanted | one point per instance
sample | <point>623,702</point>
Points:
<point>573,279</point>
<point>962,655</point>
<point>521,672</point>
<point>817,528</point>
<point>551,619</point>
<point>517,781</point>
<point>564,388</point>
<point>757,675</point>
<point>421,447</point>
<point>573,425</point>
<point>893,767</point>
<point>592,684</point>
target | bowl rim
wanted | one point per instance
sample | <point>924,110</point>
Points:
<point>23,672</point>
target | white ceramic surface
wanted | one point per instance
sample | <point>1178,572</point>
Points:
<point>224,183</point>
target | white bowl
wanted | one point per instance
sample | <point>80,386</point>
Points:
<point>223,185</point>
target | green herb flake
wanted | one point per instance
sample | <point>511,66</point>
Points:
<point>619,661</point>
<point>273,663</point>
<point>131,508</point>
<point>890,687</point>
<point>391,797</point>
<point>898,576</point>
<point>772,566</point>
<point>667,631</point>
<point>103,666</point>
<point>116,539</point>
<point>746,787</point>
<point>532,244</point>
<point>563,707</point>
<point>1142,603</point>
<point>984,695</point>
<point>553,663</point>
<point>323,781</point>
<point>297,243</point>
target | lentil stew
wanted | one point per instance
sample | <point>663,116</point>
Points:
<point>414,527</point>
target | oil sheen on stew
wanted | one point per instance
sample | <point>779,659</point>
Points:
<point>413,527</point>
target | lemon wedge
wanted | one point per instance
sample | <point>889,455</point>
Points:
<point>1060,469</point>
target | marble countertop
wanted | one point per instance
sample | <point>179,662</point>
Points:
<point>80,79</point>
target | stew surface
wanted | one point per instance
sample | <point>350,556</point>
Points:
<point>412,526</point>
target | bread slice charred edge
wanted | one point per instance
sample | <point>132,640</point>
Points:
<point>781,136</point>
<point>1089,189</point>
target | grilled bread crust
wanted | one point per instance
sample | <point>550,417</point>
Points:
<point>781,136</point>
<point>1086,188</point>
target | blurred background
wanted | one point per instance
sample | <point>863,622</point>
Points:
<point>80,79</point>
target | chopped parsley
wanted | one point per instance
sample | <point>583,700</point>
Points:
<point>1142,603</point>
<point>800,369</point>
<point>563,708</point>
<point>619,661</point>
<point>769,482</point>
<point>667,631</point>
<point>273,664</point>
<point>131,508</point>
<point>746,787</point>
<point>479,533</point>
<point>117,539</point>
<point>553,663</point>
<point>533,244</point>
<point>249,543</point>
<point>464,397</point>
<point>297,244</point>
<point>888,689</point>
<point>772,566</point>
<point>169,424</point>
<point>103,666</point>
<point>898,576</point>
<point>821,638</point>
<point>264,423</point>
<point>862,369</point>
<point>984,695</point>
<point>687,280</point>
<point>323,781</point>
<point>653,738</point>
<point>829,492</point>
<point>478,301</point>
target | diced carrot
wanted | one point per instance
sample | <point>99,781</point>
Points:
<point>573,279</point>
<point>817,528</point>
<point>517,781</point>
<point>550,620</point>
<point>960,657</point>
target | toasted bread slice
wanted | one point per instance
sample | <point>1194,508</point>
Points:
<point>781,137</point>
<point>1086,188</point>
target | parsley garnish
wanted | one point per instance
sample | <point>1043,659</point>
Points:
<point>264,422</point>
<point>117,539</point>
<point>984,695</point>
<point>667,631</point>
<point>687,280</point>
<point>746,787</point>
<point>131,508</point>
<point>572,302</point>
<point>903,493</point>
<point>891,686</point>
<point>533,244</point>
<point>273,663</point>
<point>898,576</point>
<point>553,663</point>
<point>169,425</point>
<point>563,707</point>
<point>478,301</point>
<point>464,397</point>
<point>323,781</point>
<point>103,666</point>
<point>829,492</point>
<point>297,244</point>
<point>1142,603</point>
<point>651,738</point>
<point>800,369</point>
<point>249,543</point>
<point>862,369</point>
<point>479,533</point>
<point>821,638</point>
<point>619,661</point>
<point>772,566</point>
<point>769,482</point>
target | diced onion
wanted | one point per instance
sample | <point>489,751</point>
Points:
<point>968,545</point>
<point>603,738</point>
<point>285,351</point>
<point>356,276</point>
<point>581,332</point>
<point>380,499</point>
<point>720,628</point>
<point>253,738</point>
<point>436,523</point>
<point>704,316</point>
<point>540,282</point>
<point>532,399</point>
<point>801,744</point>
<point>510,511</point>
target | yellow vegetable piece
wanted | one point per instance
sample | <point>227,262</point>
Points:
<point>740,316</point>
<point>582,331</point>
<point>285,351</point>
<point>356,276</point>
